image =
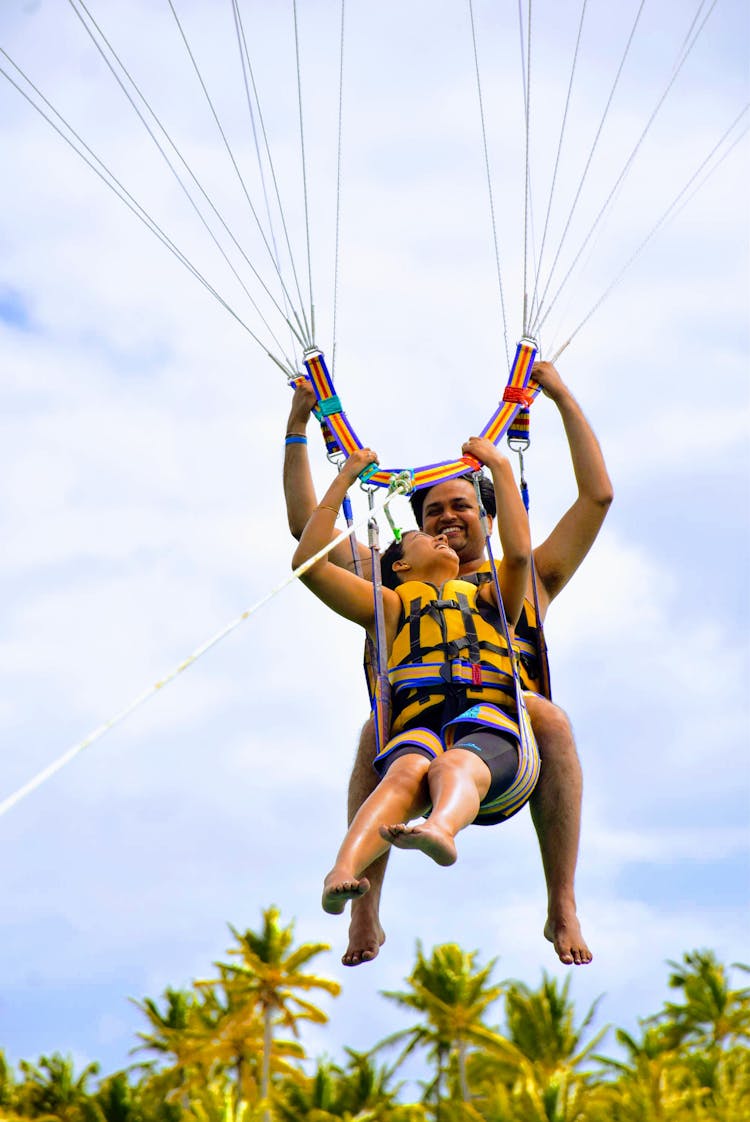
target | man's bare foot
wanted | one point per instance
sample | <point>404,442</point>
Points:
<point>434,842</point>
<point>366,936</point>
<point>566,936</point>
<point>337,890</point>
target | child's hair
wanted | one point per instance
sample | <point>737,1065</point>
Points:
<point>388,557</point>
<point>486,490</point>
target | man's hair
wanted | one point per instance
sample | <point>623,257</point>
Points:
<point>388,557</point>
<point>486,489</point>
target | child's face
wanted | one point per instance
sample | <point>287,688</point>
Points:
<point>427,556</point>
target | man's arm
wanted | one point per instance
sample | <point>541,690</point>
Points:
<point>557,558</point>
<point>299,490</point>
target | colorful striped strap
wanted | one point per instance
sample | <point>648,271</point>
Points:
<point>519,390</point>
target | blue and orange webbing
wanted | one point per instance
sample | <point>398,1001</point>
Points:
<point>519,392</point>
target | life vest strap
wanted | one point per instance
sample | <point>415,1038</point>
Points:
<point>458,672</point>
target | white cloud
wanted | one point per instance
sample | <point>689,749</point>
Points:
<point>141,504</point>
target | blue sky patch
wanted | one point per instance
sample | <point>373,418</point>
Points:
<point>13,310</point>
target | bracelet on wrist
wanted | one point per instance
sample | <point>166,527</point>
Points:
<point>295,438</point>
<point>325,506</point>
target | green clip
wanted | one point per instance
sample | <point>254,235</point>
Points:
<point>368,472</point>
<point>329,405</point>
<point>397,532</point>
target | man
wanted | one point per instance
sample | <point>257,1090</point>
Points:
<point>451,509</point>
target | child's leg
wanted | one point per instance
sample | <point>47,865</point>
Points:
<point>458,781</point>
<point>400,795</point>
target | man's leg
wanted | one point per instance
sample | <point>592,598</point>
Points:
<point>556,814</point>
<point>366,936</point>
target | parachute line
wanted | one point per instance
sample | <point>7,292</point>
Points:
<point>628,163</point>
<point>587,164</point>
<point>234,163</point>
<point>111,181</point>
<point>311,334</point>
<point>338,189</point>
<point>489,181</point>
<point>678,204</point>
<point>247,69</point>
<point>558,154</point>
<point>176,174</point>
<point>151,691</point>
<point>527,169</point>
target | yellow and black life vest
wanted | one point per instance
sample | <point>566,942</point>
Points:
<point>526,643</point>
<point>448,644</point>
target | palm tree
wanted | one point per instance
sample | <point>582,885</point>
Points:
<point>7,1082</point>
<point>533,1073</point>
<point>264,982</point>
<point>53,1088</point>
<point>711,1014</point>
<point>655,1082</point>
<point>218,1102</point>
<point>360,1093</point>
<point>690,1061</point>
<point>541,1024</point>
<point>453,998</point>
<point>120,1100</point>
<point>237,1040</point>
<point>178,1033</point>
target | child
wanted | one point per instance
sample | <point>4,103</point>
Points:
<point>457,747</point>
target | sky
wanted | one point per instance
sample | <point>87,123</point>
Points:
<point>141,509</point>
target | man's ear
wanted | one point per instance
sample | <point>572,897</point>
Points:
<point>400,565</point>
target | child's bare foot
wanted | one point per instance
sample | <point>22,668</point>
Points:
<point>564,932</point>
<point>338,889</point>
<point>366,936</point>
<point>436,843</point>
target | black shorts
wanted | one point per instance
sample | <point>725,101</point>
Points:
<point>498,752</point>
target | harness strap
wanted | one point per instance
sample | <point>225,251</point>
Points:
<point>541,641</point>
<point>525,731</point>
<point>381,701</point>
<point>416,675</point>
<point>414,618</point>
<point>472,638</point>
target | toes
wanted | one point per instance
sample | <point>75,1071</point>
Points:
<point>356,958</point>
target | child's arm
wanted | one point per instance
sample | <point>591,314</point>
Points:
<point>513,527</point>
<point>344,592</point>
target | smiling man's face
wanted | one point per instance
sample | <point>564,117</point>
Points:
<point>451,509</point>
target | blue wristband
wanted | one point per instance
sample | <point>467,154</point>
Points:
<point>293,438</point>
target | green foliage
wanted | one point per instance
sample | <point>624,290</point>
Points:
<point>217,1053</point>
<point>452,997</point>
<point>711,1014</point>
<point>360,1093</point>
